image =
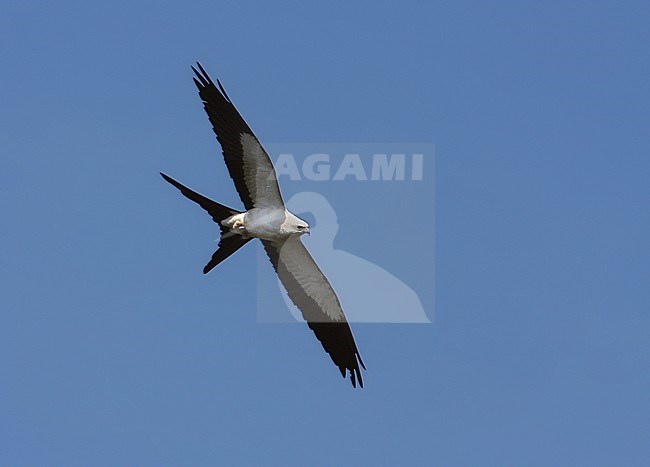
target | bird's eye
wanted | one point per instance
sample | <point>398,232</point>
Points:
<point>301,227</point>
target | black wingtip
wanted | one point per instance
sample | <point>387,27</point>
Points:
<point>207,77</point>
<point>204,81</point>
<point>202,75</point>
<point>355,376</point>
<point>223,91</point>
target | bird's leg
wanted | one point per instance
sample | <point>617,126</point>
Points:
<point>235,223</point>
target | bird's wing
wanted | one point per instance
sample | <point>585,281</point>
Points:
<point>311,292</point>
<point>247,161</point>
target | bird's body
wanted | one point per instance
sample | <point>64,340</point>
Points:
<point>266,218</point>
<point>272,224</point>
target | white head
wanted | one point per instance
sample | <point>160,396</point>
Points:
<point>293,225</point>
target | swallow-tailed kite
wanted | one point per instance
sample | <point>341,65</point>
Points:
<point>265,217</point>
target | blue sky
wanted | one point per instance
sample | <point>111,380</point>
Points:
<point>116,350</point>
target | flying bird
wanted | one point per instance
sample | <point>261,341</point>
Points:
<point>266,218</point>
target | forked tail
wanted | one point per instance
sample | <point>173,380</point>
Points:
<point>229,242</point>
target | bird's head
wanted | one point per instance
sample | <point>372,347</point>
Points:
<point>295,225</point>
